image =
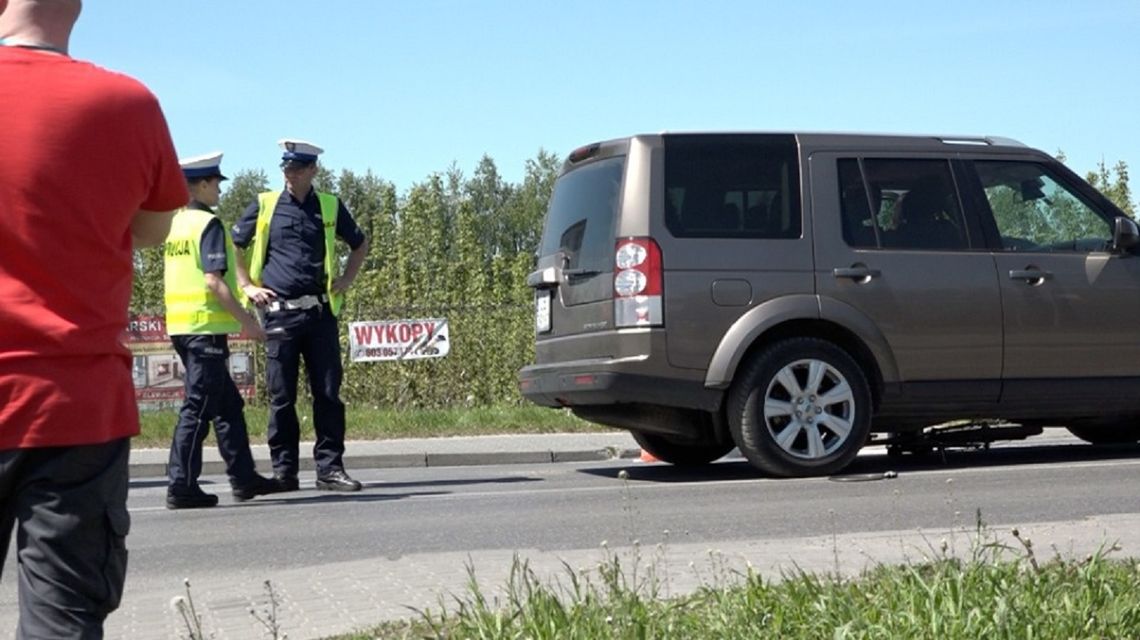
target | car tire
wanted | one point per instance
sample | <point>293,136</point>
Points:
<point>802,407</point>
<point>1125,431</point>
<point>682,453</point>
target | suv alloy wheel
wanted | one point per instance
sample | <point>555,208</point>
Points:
<point>801,408</point>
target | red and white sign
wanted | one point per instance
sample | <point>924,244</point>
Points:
<point>157,371</point>
<point>398,339</point>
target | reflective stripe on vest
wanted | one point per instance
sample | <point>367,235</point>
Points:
<point>267,203</point>
<point>191,308</point>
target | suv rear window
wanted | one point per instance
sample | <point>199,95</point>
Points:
<point>732,186</point>
<point>580,220</point>
<point>900,204</point>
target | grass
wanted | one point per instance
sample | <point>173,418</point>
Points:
<point>989,595</point>
<point>375,423</point>
<point>995,590</point>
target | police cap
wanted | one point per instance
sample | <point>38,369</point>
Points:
<point>298,152</point>
<point>204,166</point>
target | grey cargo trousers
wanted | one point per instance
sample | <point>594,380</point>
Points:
<point>69,509</point>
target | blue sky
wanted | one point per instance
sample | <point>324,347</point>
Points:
<point>406,88</point>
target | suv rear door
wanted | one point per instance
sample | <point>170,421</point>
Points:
<point>574,277</point>
<point>892,242</point>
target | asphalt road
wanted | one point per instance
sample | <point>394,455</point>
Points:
<point>573,506</point>
<point>413,528</point>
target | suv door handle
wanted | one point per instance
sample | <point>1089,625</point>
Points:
<point>1032,276</point>
<point>580,273</point>
<point>862,274</point>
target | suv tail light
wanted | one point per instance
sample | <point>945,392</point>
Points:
<point>637,283</point>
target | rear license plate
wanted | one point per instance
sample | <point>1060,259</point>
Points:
<point>542,311</point>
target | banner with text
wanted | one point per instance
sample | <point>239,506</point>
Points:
<point>398,339</point>
<point>157,369</point>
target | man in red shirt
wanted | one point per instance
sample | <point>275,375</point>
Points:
<point>89,173</point>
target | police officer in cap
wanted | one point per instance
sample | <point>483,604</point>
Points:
<point>201,308</point>
<point>292,276</point>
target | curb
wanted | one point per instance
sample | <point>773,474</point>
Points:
<point>153,467</point>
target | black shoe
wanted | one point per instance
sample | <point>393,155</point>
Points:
<point>286,482</point>
<point>258,486</point>
<point>190,499</point>
<point>337,480</point>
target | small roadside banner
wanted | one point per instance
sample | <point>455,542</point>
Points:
<point>398,339</point>
<point>157,370</point>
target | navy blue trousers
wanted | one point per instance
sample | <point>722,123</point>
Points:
<point>211,396</point>
<point>311,334</point>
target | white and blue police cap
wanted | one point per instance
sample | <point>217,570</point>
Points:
<point>208,165</point>
<point>298,152</point>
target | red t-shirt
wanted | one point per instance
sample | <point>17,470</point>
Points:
<point>81,150</point>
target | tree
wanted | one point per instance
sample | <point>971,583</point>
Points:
<point>240,193</point>
<point>147,287</point>
<point>487,194</point>
<point>526,207</point>
<point>1114,185</point>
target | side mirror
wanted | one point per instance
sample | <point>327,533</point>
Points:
<point>1125,234</point>
<point>1031,189</point>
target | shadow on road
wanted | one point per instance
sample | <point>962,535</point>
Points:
<point>329,497</point>
<point>877,465</point>
<point>451,482</point>
<point>995,457</point>
<point>391,491</point>
<point>161,482</point>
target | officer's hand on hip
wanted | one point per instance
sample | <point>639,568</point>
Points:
<point>260,295</point>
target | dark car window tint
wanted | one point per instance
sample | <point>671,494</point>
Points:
<point>1034,211</point>
<point>900,204</point>
<point>859,228</point>
<point>732,186</point>
<point>580,220</point>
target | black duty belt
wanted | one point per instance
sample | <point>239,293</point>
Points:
<point>296,304</point>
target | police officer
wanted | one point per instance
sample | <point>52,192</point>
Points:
<point>201,308</point>
<point>292,276</point>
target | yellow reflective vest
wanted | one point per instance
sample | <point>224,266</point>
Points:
<point>267,202</point>
<point>191,308</point>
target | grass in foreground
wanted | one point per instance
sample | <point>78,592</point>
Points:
<point>986,596</point>
<point>381,424</point>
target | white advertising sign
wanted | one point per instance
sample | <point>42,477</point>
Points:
<point>398,339</point>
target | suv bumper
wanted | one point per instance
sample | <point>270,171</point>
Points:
<point>598,383</point>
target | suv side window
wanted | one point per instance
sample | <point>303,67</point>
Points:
<point>732,186</point>
<point>900,204</point>
<point>1034,211</point>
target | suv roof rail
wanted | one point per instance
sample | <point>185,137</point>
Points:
<point>982,140</point>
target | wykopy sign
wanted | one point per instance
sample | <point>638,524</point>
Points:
<point>398,339</point>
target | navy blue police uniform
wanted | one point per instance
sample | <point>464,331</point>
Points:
<point>210,394</point>
<point>295,268</point>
